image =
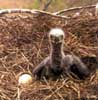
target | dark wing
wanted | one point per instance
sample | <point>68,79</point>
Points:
<point>40,68</point>
<point>67,60</point>
<point>75,67</point>
<point>91,63</point>
<point>79,69</point>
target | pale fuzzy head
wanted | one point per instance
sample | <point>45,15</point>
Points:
<point>56,35</point>
<point>25,79</point>
<point>56,32</point>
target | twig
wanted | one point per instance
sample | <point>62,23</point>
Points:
<point>38,52</point>
<point>27,59</point>
<point>56,91</point>
<point>72,9</point>
<point>47,5</point>
<point>49,88</point>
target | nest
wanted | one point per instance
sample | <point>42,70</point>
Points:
<point>24,44</point>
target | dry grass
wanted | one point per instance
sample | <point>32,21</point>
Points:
<point>24,43</point>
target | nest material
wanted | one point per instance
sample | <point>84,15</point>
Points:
<point>24,43</point>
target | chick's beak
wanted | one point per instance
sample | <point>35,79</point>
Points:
<point>56,40</point>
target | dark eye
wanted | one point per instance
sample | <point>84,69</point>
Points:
<point>61,37</point>
<point>51,36</point>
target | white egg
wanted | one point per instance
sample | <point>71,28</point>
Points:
<point>25,79</point>
<point>56,32</point>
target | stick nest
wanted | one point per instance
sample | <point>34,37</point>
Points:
<point>24,44</point>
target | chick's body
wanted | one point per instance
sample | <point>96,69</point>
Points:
<point>57,62</point>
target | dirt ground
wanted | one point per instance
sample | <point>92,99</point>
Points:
<point>24,44</point>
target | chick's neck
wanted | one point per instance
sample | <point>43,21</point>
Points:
<point>56,52</point>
